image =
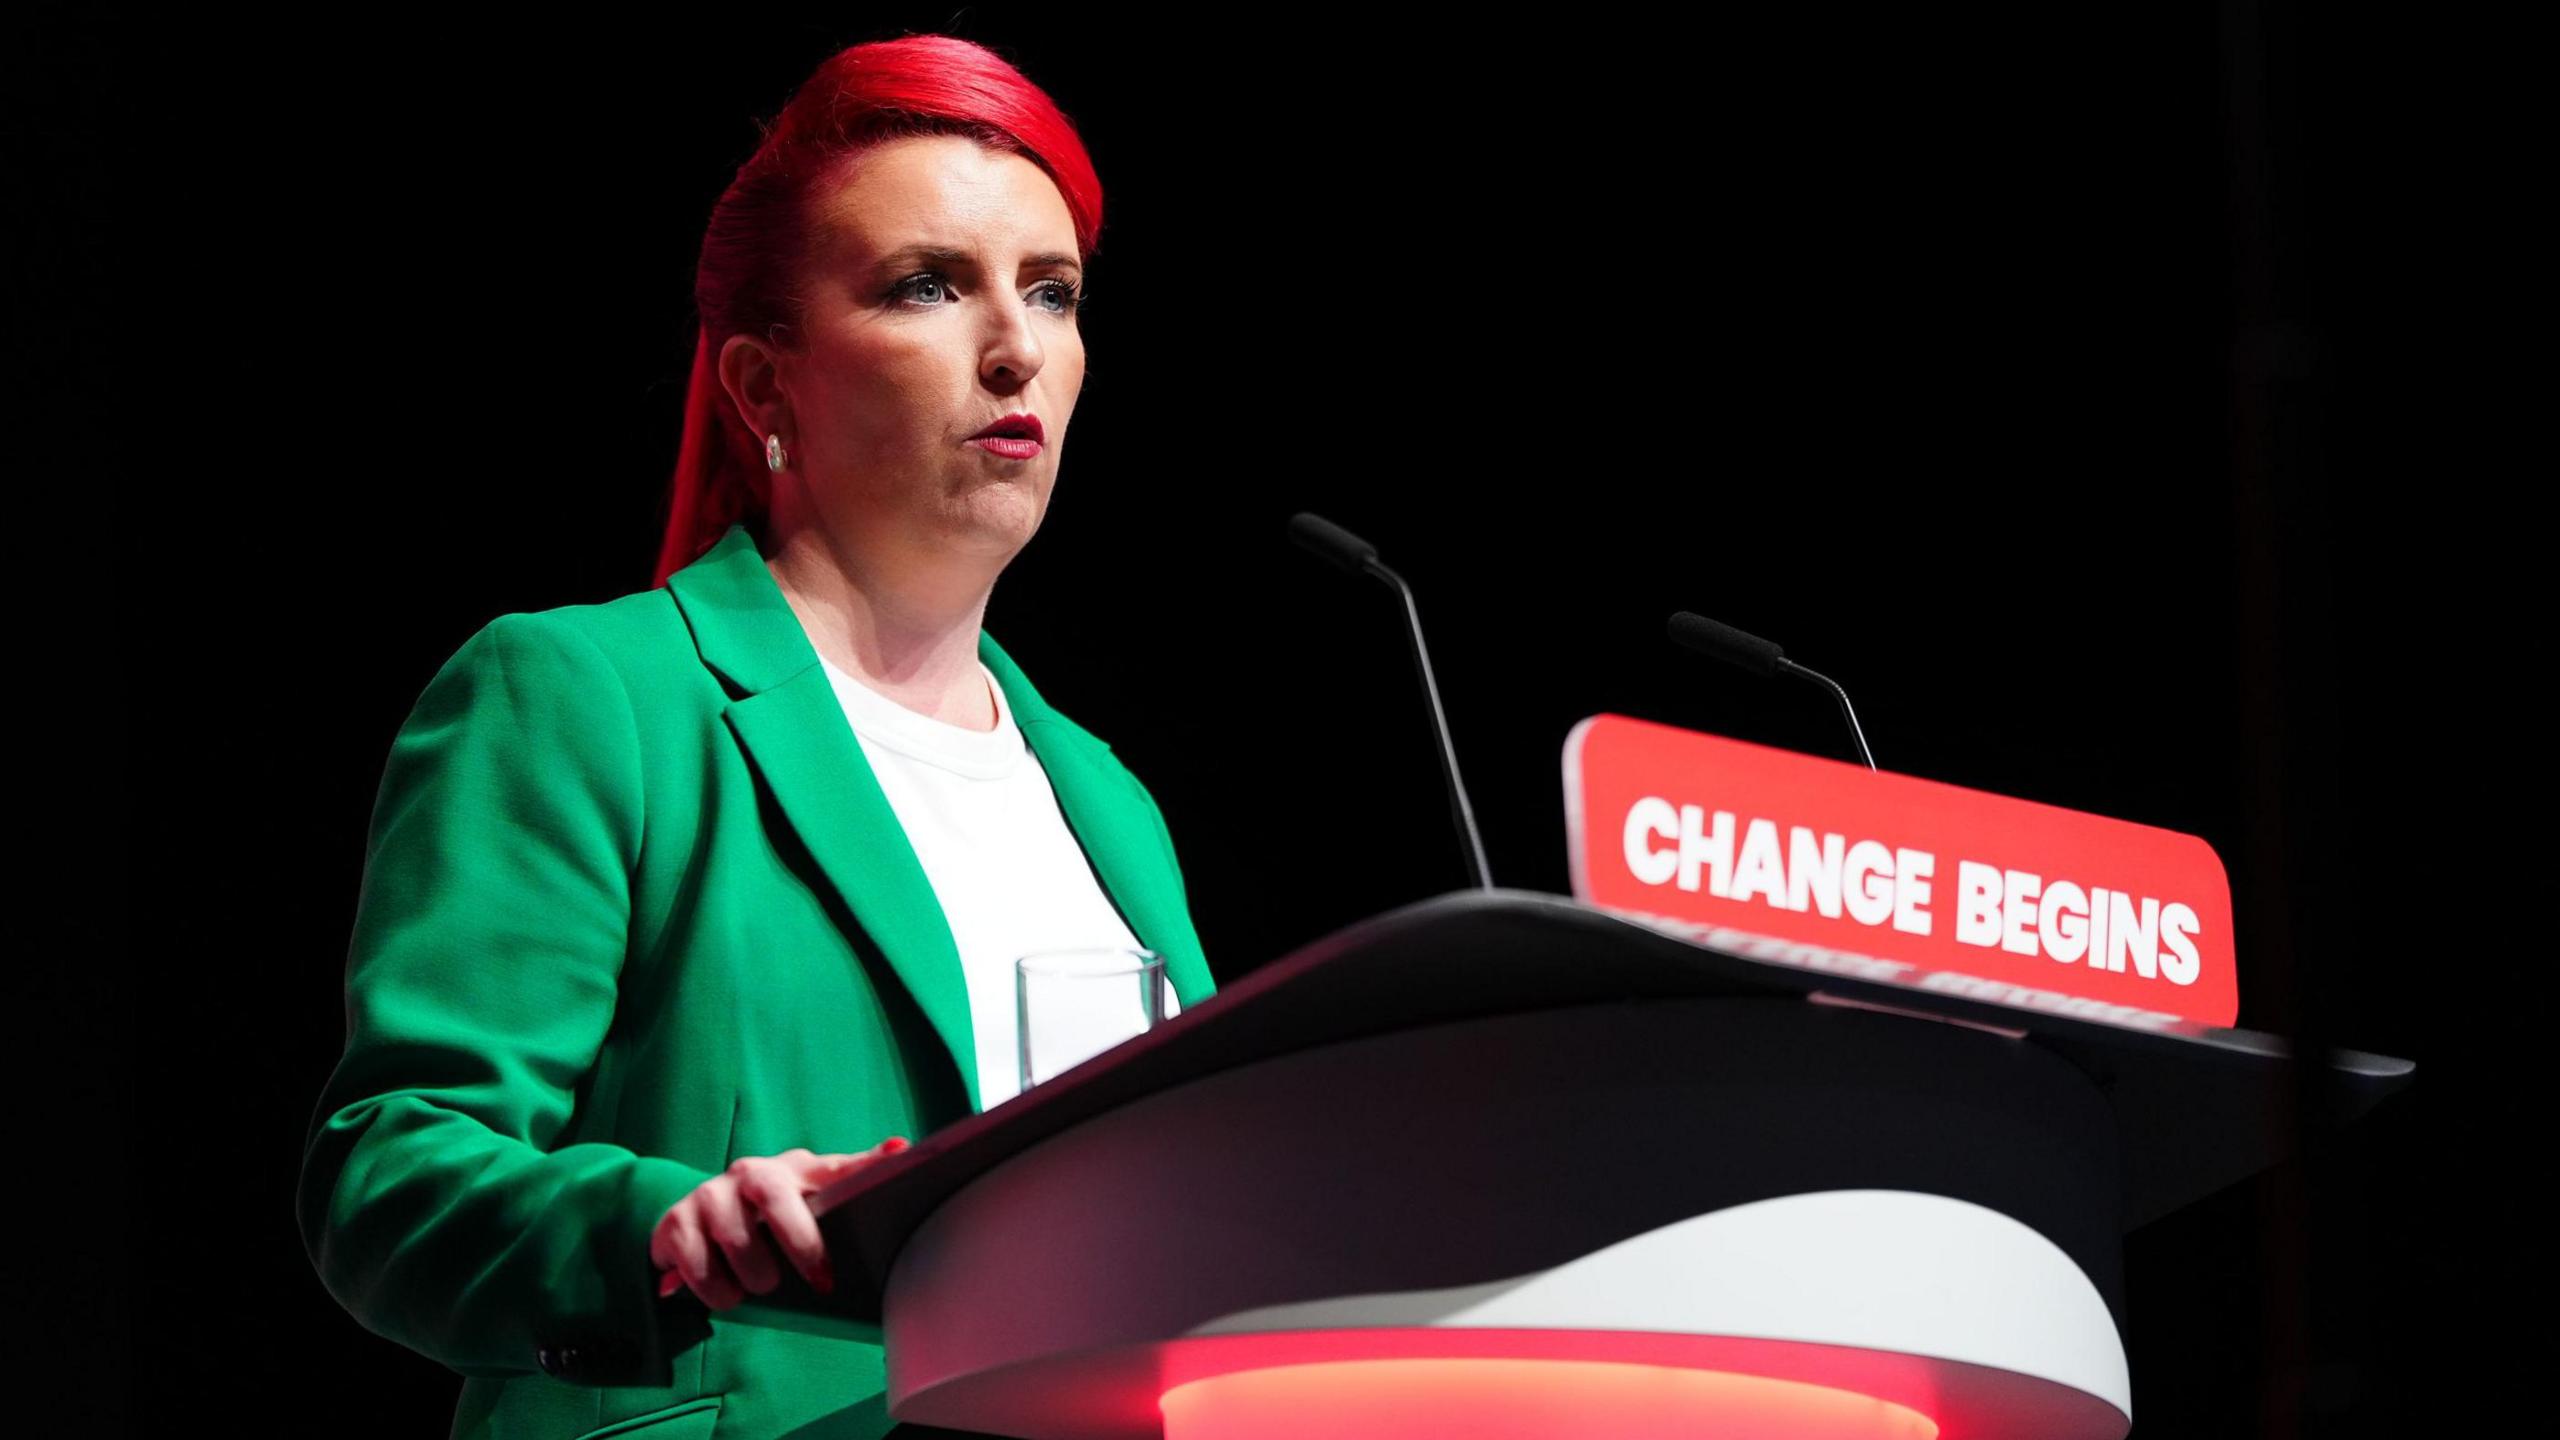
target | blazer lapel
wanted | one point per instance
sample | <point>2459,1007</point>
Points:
<point>1112,823</point>
<point>793,729</point>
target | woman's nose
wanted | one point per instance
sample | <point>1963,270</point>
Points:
<point>1014,350</point>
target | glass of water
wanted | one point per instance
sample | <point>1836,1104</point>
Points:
<point>1071,1005</point>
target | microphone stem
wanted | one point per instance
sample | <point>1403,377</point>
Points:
<point>1833,686</point>
<point>1463,812</point>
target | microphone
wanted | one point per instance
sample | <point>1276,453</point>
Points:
<point>1339,547</point>
<point>1760,657</point>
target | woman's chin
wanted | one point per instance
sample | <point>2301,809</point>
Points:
<point>1010,509</point>
<point>1000,536</point>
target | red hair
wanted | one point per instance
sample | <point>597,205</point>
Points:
<point>745,282</point>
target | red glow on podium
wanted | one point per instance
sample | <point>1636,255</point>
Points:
<point>1523,1399</point>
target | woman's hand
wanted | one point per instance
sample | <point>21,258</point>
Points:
<point>709,1239</point>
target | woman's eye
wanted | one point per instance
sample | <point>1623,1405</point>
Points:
<point>906,288</point>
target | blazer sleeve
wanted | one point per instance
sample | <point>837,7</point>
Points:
<point>491,926</point>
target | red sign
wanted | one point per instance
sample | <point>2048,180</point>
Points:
<point>1944,887</point>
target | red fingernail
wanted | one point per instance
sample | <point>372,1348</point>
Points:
<point>894,1142</point>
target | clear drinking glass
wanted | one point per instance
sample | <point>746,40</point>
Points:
<point>1071,1005</point>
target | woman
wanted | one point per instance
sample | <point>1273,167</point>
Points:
<point>675,905</point>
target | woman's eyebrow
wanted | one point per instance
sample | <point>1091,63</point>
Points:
<point>946,255</point>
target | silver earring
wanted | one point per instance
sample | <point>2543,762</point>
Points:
<point>773,452</point>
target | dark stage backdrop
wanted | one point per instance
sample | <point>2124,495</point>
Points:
<point>2075,387</point>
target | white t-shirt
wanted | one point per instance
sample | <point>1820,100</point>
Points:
<point>1009,871</point>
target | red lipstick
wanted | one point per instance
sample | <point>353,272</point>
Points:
<point>1018,436</point>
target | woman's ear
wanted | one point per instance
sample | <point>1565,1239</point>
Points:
<point>751,371</point>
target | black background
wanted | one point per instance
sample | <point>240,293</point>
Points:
<point>2094,393</point>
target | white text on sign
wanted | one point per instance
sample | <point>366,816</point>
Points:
<point>1810,872</point>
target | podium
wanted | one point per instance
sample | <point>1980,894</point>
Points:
<point>1523,1166</point>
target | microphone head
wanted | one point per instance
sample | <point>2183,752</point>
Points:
<point>1331,541</point>
<point>1734,647</point>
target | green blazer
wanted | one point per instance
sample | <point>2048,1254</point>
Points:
<point>635,907</point>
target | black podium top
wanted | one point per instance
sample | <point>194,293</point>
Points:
<point>2196,1111</point>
